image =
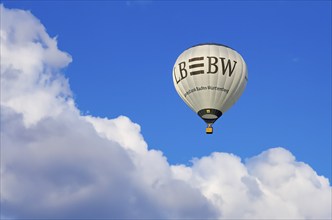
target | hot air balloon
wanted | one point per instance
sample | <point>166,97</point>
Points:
<point>210,78</point>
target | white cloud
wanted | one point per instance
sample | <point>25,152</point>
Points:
<point>56,163</point>
<point>294,183</point>
<point>30,61</point>
<point>121,130</point>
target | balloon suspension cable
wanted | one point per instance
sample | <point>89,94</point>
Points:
<point>209,129</point>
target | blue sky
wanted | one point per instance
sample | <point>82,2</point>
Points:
<point>123,54</point>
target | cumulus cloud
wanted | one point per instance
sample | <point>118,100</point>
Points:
<point>57,163</point>
<point>272,185</point>
<point>30,61</point>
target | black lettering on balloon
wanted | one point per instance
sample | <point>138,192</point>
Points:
<point>212,64</point>
<point>227,66</point>
<point>177,81</point>
<point>195,68</point>
<point>183,71</point>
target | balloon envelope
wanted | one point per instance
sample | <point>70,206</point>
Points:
<point>210,78</point>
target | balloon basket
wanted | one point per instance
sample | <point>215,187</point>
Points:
<point>209,130</point>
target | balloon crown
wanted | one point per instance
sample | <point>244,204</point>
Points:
<point>217,44</point>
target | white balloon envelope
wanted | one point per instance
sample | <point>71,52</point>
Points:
<point>210,78</point>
